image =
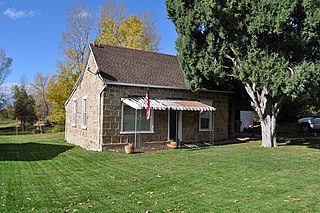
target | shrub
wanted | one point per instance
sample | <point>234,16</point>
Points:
<point>58,128</point>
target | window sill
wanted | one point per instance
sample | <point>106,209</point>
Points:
<point>84,127</point>
<point>142,132</point>
<point>73,125</point>
<point>205,130</point>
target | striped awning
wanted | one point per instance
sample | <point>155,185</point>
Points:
<point>168,104</point>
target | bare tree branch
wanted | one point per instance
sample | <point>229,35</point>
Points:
<point>76,36</point>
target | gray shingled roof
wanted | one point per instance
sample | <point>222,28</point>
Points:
<point>138,67</point>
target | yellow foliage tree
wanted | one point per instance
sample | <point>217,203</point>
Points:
<point>129,33</point>
<point>132,32</point>
<point>59,89</point>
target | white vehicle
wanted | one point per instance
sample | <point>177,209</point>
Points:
<point>308,123</point>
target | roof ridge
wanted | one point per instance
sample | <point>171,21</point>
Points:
<point>127,48</point>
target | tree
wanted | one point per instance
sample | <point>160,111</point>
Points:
<point>7,113</point>
<point>76,36</point>
<point>40,86</point>
<point>272,47</point>
<point>24,104</point>
<point>58,92</point>
<point>73,45</point>
<point>5,65</point>
<point>132,32</point>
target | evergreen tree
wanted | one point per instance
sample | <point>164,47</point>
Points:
<point>272,47</point>
<point>24,104</point>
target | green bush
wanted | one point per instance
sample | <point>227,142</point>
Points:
<point>58,128</point>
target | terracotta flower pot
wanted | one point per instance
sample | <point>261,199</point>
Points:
<point>173,145</point>
<point>129,149</point>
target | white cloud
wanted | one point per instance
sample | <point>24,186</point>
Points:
<point>16,14</point>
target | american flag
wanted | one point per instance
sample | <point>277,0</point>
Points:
<point>147,103</point>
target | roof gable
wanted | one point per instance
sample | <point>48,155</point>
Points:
<point>138,67</point>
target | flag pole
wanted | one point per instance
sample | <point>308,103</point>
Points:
<point>146,101</point>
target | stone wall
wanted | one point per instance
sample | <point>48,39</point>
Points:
<point>90,86</point>
<point>112,106</point>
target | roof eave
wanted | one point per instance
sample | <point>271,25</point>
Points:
<point>161,86</point>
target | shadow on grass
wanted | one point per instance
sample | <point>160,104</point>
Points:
<point>237,140</point>
<point>30,151</point>
<point>310,143</point>
<point>201,145</point>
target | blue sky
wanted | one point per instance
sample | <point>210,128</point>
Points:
<point>31,31</point>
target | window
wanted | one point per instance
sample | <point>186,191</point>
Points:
<point>74,112</point>
<point>205,118</point>
<point>128,121</point>
<point>84,112</point>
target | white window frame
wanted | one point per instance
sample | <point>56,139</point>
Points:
<point>133,132</point>
<point>84,112</point>
<point>209,103</point>
<point>74,113</point>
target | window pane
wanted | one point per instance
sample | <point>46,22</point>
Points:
<point>128,124</point>
<point>74,112</point>
<point>205,120</point>
<point>84,112</point>
<point>205,123</point>
<point>204,115</point>
<point>128,119</point>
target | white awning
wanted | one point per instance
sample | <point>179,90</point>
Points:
<point>168,104</point>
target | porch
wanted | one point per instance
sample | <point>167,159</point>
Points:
<point>178,125</point>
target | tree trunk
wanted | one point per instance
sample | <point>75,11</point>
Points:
<point>268,131</point>
<point>267,109</point>
<point>46,104</point>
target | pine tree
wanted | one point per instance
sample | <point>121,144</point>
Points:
<point>24,104</point>
<point>272,47</point>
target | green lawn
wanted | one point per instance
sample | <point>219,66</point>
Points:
<point>8,127</point>
<point>6,123</point>
<point>42,173</point>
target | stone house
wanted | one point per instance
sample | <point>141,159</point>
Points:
<point>106,108</point>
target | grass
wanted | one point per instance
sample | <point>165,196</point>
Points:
<point>42,173</point>
<point>7,123</point>
<point>8,127</point>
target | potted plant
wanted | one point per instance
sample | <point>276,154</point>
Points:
<point>172,144</point>
<point>129,149</point>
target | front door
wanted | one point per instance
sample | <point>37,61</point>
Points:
<point>175,125</point>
